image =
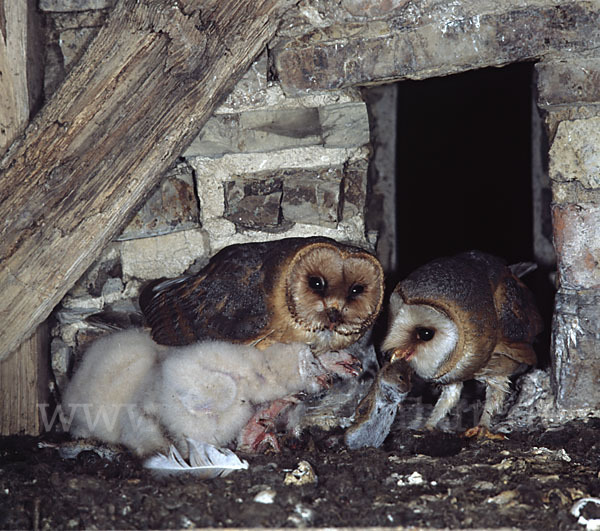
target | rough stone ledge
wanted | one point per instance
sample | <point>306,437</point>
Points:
<point>353,54</point>
<point>534,406</point>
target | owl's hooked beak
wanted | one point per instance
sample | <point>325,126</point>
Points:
<point>334,315</point>
<point>402,354</point>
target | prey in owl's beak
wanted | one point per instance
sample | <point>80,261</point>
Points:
<point>402,354</point>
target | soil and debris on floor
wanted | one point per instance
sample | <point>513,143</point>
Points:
<point>434,480</point>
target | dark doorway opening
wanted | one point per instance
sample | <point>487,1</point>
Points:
<point>464,166</point>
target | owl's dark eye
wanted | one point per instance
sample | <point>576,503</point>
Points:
<point>317,284</point>
<point>425,334</point>
<point>355,290</point>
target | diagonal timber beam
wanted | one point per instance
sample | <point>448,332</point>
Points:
<point>142,91</point>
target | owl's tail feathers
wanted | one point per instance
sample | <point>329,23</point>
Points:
<point>163,311</point>
<point>520,269</point>
<point>112,320</point>
<point>147,293</point>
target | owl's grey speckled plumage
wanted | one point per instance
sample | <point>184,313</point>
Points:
<point>311,290</point>
<point>463,317</point>
<point>129,390</point>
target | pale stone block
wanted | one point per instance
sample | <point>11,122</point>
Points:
<point>163,256</point>
<point>84,304</point>
<point>372,8</point>
<point>251,90</point>
<point>568,81</point>
<point>577,243</point>
<point>345,124</point>
<point>173,207</point>
<point>73,44</point>
<point>257,131</point>
<point>254,203</point>
<point>60,359</point>
<point>312,201</point>
<point>575,152</point>
<point>576,347</point>
<point>344,232</point>
<point>74,5</point>
<point>79,19</point>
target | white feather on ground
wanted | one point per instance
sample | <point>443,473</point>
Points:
<point>205,461</point>
<point>130,391</point>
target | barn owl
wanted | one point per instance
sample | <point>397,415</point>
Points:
<point>460,318</point>
<point>377,410</point>
<point>310,290</point>
<point>129,390</point>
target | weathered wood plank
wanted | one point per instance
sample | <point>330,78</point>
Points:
<point>20,84</point>
<point>141,92</point>
<point>24,385</point>
<point>24,376</point>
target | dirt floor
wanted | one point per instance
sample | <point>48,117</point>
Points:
<point>430,480</point>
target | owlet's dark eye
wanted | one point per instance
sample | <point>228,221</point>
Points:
<point>317,284</point>
<point>355,290</point>
<point>425,334</point>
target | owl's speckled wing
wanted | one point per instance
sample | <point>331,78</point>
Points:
<point>311,290</point>
<point>227,300</point>
<point>518,317</point>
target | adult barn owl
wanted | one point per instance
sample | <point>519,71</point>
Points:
<point>129,390</point>
<point>460,318</point>
<point>310,290</point>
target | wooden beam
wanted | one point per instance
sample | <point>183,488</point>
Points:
<point>142,91</point>
<point>24,386</point>
<point>23,376</point>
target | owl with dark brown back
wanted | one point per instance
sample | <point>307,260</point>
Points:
<point>309,290</point>
<point>464,317</point>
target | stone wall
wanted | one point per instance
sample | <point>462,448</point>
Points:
<point>288,152</point>
<point>569,94</point>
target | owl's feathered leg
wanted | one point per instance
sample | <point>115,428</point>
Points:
<point>259,432</point>
<point>447,400</point>
<point>495,391</point>
<point>496,377</point>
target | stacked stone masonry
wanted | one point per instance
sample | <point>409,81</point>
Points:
<point>287,153</point>
<point>569,96</point>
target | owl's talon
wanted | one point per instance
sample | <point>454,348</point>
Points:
<point>481,432</point>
